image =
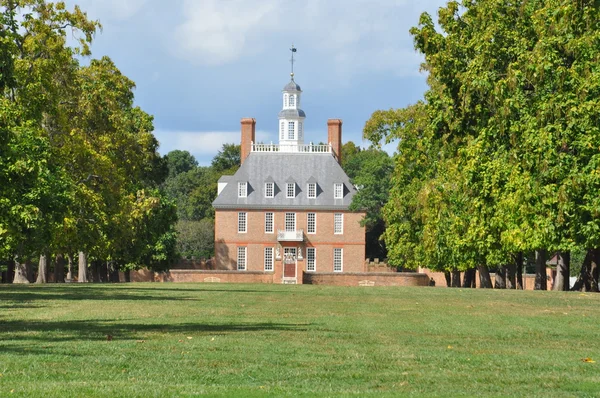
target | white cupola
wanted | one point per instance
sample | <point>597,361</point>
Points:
<point>291,117</point>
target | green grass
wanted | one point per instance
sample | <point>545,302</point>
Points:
<point>257,340</point>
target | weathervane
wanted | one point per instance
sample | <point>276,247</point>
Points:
<point>293,50</point>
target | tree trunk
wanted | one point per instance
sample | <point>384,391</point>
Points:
<point>113,272</point>
<point>541,279</point>
<point>519,267</point>
<point>94,270</point>
<point>10,271</point>
<point>500,278</point>
<point>69,268</point>
<point>469,278</point>
<point>563,271</point>
<point>128,275</point>
<point>485,281</point>
<point>30,270</point>
<point>20,271</point>
<point>42,269</point>
<point>103,269</point>
<point>511,282</point>
<point>456,278</point>
<point>59,269</point>
<point>82,268</point>
<point>595,270</point>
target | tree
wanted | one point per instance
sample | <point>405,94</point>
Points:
<point>227,160</point>
<point>196,238</point>
<point>180,162</point>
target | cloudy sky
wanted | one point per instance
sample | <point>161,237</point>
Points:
<point>202,65</point>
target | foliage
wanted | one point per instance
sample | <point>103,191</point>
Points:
<point>196,238</point>
<point>227,160</point>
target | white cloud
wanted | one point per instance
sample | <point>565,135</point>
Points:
<point>353,35</point>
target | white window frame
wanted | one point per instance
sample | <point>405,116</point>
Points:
<point>291,132</point>
<point>299,130</point>
<point>338,259</point>
<point>311,190</point>
<point>285,101</point>
<point>290,222</point>
<point>338,223</point>
<point>242,189</point>
<point>269,189</point>
<point>242,222</point>
<point>242,256</point>
<point>290,188</point>
<point>269,259</point>
<point>338,191</point>
<point>314,223</point>
<point>311,259</point>
<point>269,222</point>
<point>292,100</point>
<point>282,130</point>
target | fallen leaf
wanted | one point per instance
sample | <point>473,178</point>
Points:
<point>450,347</point>
<point>588,360</point>
<point>140,341</point>
<point>213,339</point>
<point>109,337</point>
<point>189,338</point>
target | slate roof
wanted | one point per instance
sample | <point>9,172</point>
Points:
<point>292,86</point>
<point>291,113</point>
<point>261,167</point>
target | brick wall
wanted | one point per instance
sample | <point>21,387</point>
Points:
<point>366,279</point>
<point>227,240</point>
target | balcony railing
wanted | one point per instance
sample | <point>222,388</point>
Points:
<point>290,236</point>
<point>289,148</point>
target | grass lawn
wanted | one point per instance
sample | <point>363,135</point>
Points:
<point>285,340</point>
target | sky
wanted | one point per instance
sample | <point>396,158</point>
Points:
<point>202,65</point>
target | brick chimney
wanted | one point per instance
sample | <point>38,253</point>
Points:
<point>248,137</point>
<point>334,137</point>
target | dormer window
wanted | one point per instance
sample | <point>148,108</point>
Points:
<point>338,191</point>
<point>290,130</point>
<point>312,190</point>
<point>269,189</point>
<point>242,189</point>
<point>292,100</point>
<point>290,190</point>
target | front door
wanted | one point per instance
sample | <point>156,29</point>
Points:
<point>289,262</point>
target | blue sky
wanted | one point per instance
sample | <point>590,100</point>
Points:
<point>202,65</point>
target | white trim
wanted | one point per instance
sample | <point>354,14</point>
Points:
<point>272,184</point>
<point>314,195</point>
<point>242,189</point>
<point>341,251</point>
<point>242,254</point>
<point>314,259</point>
<point>308,223</point>
<point>286,222</point>
<point>271,258</point>
<point>242,222</point>
<point>287,190</point>
<point>338,190</point>
<point>272,231</point>
<point>341,223</point>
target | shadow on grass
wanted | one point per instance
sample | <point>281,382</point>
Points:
<point>27,337</point>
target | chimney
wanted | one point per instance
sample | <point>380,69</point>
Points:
<point>334,137</point>
<point>248,137</point>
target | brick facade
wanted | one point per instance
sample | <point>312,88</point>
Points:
<point>351,241</point>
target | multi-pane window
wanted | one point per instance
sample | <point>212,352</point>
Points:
<point>292,100</point>
<point>282,130</point>
<point>242,189</point>
<point>242,222</point>
<point>338,259</point>
<point>290,130</point>
<point>312,190</point>
<point>338,191</point>
<point>299,130</point>
<point>269,189</point>
<point>290,190</point>
<point>269,223</point>
<point>290,222</point>
<point>241,259</point>
<point>311,223</point>
<point>311,259</point>
<point>268,259</point>
<point>338,223</point>
<point>285,101</point>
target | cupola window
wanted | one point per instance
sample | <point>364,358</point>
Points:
<point>292,100</point>
<point>290,130</point>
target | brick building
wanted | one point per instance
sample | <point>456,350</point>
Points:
<point>285,211</point>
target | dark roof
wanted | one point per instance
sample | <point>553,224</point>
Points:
<point>299,167</point>
<point>291,113</point>
<point>292,86</point>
